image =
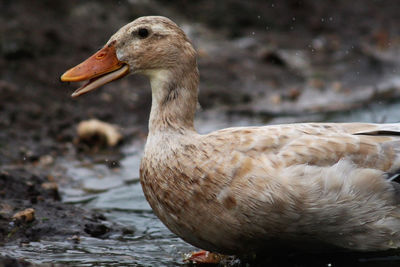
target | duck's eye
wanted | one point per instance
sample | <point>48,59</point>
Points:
<point>143,33</point>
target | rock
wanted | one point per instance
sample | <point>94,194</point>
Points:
<point>75,239</point>
<point>97,133</point>
<point>96,229</point>
<point>50,186</point>
<point>51,190</point>
<point>46,160</point>
<point>128,231</point>
<point>25,216</point>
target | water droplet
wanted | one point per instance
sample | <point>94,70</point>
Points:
<point>322,20</point>
<point>272,5</point>
<point>259,17</point>
<point>253,33</point>
<point>294,18</point>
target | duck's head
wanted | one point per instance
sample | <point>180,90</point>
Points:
<point>148,45</point>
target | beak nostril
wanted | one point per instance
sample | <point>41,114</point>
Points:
<point>100,55</point>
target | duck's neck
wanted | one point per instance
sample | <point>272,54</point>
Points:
<point>174,99</point>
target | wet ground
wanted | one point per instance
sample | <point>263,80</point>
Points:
<point>260,63</point>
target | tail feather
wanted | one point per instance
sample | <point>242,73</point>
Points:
<point>394,176</point>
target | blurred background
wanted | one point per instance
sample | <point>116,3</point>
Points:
<point>261,62</point>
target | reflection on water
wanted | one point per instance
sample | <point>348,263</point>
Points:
<point>116,192</point>
<point>161,250</point>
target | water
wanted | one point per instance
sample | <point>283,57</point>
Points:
<point>116,192</point>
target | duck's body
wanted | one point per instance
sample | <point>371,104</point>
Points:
<point>309,186</point>
<point>306,186</point>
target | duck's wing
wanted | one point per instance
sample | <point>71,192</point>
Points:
<point>316,144</point>
<point>332,182</point>
<point>365,145</point>
<point>316,178</point>
<point>312,152</point>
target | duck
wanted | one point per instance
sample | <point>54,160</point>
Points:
<point>302,186</point>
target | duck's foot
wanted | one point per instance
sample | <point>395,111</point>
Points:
<point>203,257</point>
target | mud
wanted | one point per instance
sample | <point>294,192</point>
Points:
<point>20,190</point>
<point>265,59</point>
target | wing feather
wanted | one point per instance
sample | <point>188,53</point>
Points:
<point>367,145</point>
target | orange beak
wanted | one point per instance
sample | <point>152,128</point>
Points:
<point>99,69</point>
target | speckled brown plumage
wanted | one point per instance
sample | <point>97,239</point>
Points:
<point>239,189</point>
<point>312,186</point>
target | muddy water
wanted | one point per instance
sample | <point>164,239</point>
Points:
<point>116,192</point>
